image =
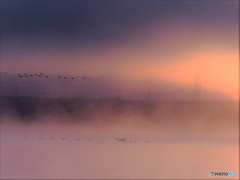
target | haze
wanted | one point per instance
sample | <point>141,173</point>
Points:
<point>164,40</point>
<point>119,89</point>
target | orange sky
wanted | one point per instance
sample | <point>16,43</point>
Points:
<point>149,57</point>
<point>170,50</point>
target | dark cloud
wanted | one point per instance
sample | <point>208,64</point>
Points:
<point>81,22</point>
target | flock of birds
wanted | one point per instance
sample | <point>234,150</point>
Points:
<point>63,139</point>
<point>67,140</point>
<point>41,75</point>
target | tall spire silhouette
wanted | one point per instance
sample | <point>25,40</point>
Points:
<point>149,94</point>
<point>197,88</point>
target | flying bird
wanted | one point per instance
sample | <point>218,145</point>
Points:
<point>72,78</point>
<point>46,76</point>
<point>59,77</point>
<point>124,140</point>
<point>65,78</point>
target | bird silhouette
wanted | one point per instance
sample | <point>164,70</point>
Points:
<point>46,76</point>
<point>59,77</point>
<point>84,78</point>
<point>120,139</point>
<point>39,76</point>
<point>65,78</point>
<point>72,78</point>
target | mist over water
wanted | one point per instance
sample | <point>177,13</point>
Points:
<point>115,138</point>
<point>119,89</point>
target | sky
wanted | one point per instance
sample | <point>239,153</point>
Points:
<point>169,40</point>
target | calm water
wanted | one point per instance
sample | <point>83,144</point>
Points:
<point>34,151</point>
